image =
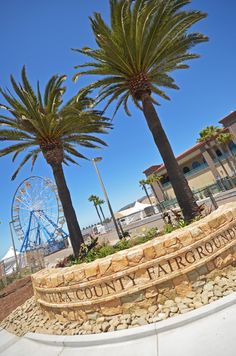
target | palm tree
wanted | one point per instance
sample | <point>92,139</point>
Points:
<point>154,178</point>
<point>209,133</point>
<point>143,183</point>
<point>224,139</point>
<point>214,134</point>
<point>144,43</point>
<point>94,200</point>
<point>99,203</point>
<point>41,124</point>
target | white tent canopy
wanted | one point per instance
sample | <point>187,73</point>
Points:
<point>9,260</point>
<point>10,254</point>
<point>135,209</point>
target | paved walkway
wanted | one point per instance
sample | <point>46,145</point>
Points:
<point>207,331</point>
<point>52,259</point>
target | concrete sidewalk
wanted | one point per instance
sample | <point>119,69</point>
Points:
<point>207,331</point>
<point>11,345</point>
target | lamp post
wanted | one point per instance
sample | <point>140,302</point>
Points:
<point>98,159</point>
<point>14,247</point>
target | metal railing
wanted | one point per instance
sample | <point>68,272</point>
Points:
<point>222,185</point>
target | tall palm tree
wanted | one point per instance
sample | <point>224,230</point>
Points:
<point>41,124</point>
<point>94,200</point>
<point>100,202</point>
<point>143,183</point>
<point>145,41</point>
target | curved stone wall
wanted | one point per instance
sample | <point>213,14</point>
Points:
<point>138,276</point>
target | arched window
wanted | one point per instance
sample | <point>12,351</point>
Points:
<point>195,164</point>
<point>186,170</point>
<point>165,179</point>
<point>218,152</point>
<point>232,145</point>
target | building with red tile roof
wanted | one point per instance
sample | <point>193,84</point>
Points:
<point>202,164</point>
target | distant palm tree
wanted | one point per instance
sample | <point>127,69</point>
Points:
<point>154,178</point>
<point>99,203</point>
<point>143,183</point>
<point>224,139</point>
<point>94,200</point>
<point>40,124</point>
<point>144,43</point>
<point>214,134</point>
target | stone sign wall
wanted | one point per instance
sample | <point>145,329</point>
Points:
<point>140,274</point>
<point>34,259</point>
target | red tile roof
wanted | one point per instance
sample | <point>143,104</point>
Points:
<point>152,169</point>
<point>159,167</point>
<point>228,117</point>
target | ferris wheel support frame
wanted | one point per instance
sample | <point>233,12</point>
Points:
<point>13,245</point>
<point>49,236</point>
<point>26,237</point>
<point>64,235</point>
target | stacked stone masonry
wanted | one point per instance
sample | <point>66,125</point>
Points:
<point>141,275</point>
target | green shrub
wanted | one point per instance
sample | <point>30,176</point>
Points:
<point>100,251</point>
<point>153,232</point>
<point>182,223</point>
<point>106,250</point>
<point>122,245</point>
<point>168,228</point>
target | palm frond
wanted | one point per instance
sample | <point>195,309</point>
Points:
<point>70,149</point>
<point>70,159</point>
<point>39,122</point>
<point>23,162</point>
<point>150,38</point>
<point>17,148</point>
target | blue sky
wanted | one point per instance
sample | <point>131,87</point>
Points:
<point>40,35</point>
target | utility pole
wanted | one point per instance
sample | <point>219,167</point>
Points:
<point>98,159</point>
<point>14,247</point>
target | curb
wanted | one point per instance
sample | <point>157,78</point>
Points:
<point>116,337</point>
<point>11,340</point>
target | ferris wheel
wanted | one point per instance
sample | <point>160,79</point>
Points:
<point>37,214</point>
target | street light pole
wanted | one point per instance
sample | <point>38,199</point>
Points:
<point>14,247</point>
<point>98,159</point>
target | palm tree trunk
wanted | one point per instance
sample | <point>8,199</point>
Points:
<point>179,183</point>
<point>99,216</point>
<point>148,196</point>
<point>102,213</point>
<point>158,203</point>
<point>231,167</point>
<point>226,172</point>
<point>232,155</point>
<point>160,186</point>
<point>232,158</point>
<point>76,236</point>
<point>222,166</point>
<point>154,192</point>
